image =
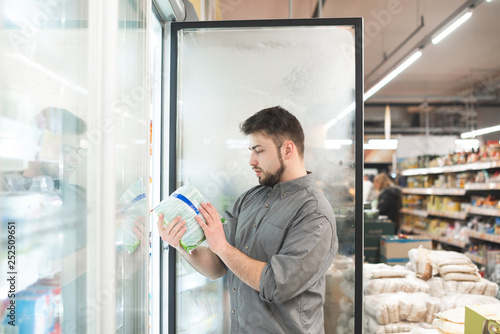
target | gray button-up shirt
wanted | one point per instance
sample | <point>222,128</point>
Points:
<point>291,227</point>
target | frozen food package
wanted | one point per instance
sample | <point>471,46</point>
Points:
<point>132,210</point>
<point>185,202</point>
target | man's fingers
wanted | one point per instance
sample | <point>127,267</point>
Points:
<point>171,225</point>
<point>161,227</point>
<point>209,210</point>
<point>201,222</point>
<point>177,228</point>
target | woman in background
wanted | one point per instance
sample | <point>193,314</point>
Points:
<point>389,198</point>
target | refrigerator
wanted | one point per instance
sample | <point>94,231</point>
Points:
<point>223,72</point>
<point>75,166</point>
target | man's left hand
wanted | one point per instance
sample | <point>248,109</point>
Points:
<point>212,226</point>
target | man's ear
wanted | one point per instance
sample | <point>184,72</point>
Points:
<point>289,149</point>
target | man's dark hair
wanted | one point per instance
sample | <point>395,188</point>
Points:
<point>277,123</point>
<point>61,121</point>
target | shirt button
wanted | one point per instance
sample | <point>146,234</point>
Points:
<point>234,290</point>
<point>246,247</point>
<point>234,311</point>
<point>254,225</point>
<point>284,194</point>
<point>267,205</point>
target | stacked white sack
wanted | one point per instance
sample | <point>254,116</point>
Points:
<point>451,272</point>
<point>345,320</point>
<point>396,301</point>
<point>338,309</point>
<point>441,288</point>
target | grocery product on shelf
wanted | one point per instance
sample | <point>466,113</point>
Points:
<point>453,199</point>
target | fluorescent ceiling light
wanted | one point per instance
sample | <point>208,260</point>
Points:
<point>335,144</point>
<point>451,28</point>
<point>479,132</point>
<point>376,88</point>
<point>392,75</point>
<point>381,144</point>
<point>466,144</point>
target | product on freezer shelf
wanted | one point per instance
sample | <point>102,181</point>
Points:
<point>35,313</point>
<point>185,202</point>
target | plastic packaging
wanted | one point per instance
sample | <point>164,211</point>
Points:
<point>185,202</point>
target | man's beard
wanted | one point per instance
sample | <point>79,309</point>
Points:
<point>273,178</point>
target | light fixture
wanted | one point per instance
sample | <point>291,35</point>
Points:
<point>466,144</point>
<point>392,75</point>
<point>381,144</point>
<point>376,88</point>
<point>451,27</point>
<point>387,122</point>
<point>479,132</point>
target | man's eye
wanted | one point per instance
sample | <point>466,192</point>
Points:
<point>259,151</point>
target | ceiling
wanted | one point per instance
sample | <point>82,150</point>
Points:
<point>455,77</point>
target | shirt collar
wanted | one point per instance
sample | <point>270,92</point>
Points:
<point>294,185</point>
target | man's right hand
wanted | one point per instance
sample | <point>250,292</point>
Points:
<point>173,231</point>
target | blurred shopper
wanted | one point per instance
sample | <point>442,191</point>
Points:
<point>369,191</point>
<point>389,198</point>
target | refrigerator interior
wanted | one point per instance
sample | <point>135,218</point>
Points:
<point>49,143</point>
<point>223,74</point>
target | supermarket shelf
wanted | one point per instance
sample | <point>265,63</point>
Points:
<point>485,211</point>
<point>406,229</point>
<point>435,191</point>
<point>485,236</point>
<point>441,239</point>
<point>482,186</point>
<point>451,169</point>
<point>424,213</point>
<point>415,212</point>
<point>476,258</point>
<point>448,214</point>
<point>472,234</point>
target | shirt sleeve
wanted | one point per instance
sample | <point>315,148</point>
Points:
<point>306,254</point>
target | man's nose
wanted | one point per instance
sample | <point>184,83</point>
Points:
<point>252,161</point>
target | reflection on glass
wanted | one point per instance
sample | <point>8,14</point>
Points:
<point>132,162</point>
<point>225,76</point>
<point>43,200</point>
<point>45,150</point>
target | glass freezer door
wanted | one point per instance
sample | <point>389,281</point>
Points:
<point>221,74</point>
